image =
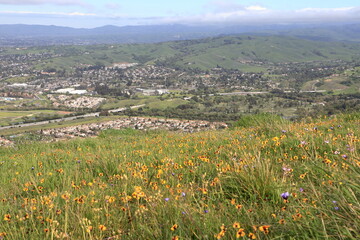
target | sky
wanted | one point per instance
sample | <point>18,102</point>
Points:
<point>96,13</point>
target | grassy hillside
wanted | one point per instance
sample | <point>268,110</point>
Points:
<point>228,52</point>
<point>266,179</point>
<point>232,52</point>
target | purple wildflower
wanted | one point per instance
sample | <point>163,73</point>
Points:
<point>167,199</point>
<point>206,211</point>
<point>285,195</point>
<point>183,194</point>
<point>301,189</point>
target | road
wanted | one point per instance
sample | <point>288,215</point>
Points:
<point>255,93</point>
<point>95,114</point>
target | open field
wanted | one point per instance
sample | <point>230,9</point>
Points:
<point>267,179</point>
<point>32,129</point>
<point>13,117</point>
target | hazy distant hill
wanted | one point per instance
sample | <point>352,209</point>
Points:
<point>231,52</point>
<point>12,35</point>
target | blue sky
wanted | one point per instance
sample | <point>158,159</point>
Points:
<point>94,13</point>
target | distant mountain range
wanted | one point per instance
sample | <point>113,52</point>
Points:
<point>32,35</point>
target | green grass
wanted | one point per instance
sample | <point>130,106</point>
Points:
<point>128,184</point>
<point>167,103</point>
<point>231,52</point>
<point>116,103</point>
<point>11,117</point>
<point>76,122</point>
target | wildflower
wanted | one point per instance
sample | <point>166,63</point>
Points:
<point>252,236</point>
<point>221,233</point>
<point>238,206</point>
<point>285,195</point>
<point>183,194</point>
<point>167,199</point>
<point>174,227</point>
<point>282,221</point>
<point>7,217</point>
<point>344,156</point>
<point>240,233</point>
<point>336,208</point>
<point>175,238</point>
<point>102,227</point>
<point>206,211</point>
<point>236,225</point>
<point>264,229</point>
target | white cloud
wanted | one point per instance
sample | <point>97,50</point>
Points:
<point>259,15</point>
<point>256,8</point>
<point>49,13</point>
<point>39,2</point>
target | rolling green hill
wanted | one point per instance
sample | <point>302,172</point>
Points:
<point>227,52</point>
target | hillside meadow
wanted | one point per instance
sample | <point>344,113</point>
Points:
<point>266,178</point>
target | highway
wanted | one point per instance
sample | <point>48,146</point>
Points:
<point>95,114</point>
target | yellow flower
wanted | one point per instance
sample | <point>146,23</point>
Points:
<point>252,236</point>
<point>236,225</point>
<point>7,217</point>
<point>302,176</point>
<point>89,229</point>
<point>239,206</point>
<point>102,227</point>
<point>174,227</point>
<point>264,229</point>
<point>240,233</point>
